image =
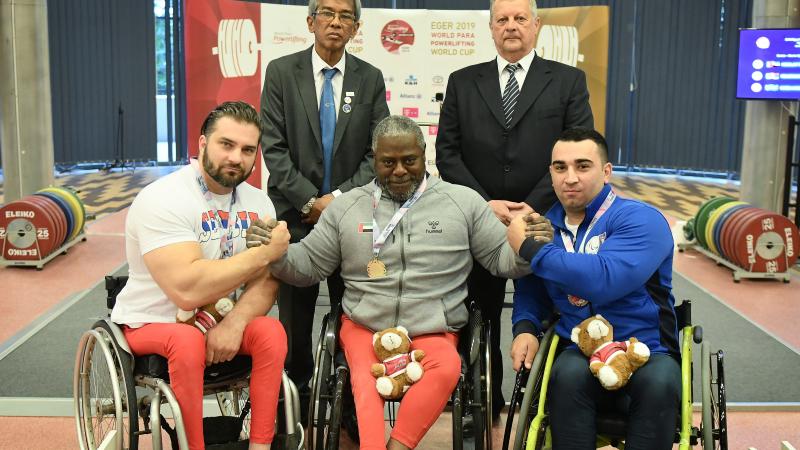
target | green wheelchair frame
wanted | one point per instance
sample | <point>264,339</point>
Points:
<point>533,430</point>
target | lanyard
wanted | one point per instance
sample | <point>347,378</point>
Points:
<point>379,239</point>
<point>226,239</point>
<point>568,242</point>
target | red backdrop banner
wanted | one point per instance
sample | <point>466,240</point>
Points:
<point>221,37</point>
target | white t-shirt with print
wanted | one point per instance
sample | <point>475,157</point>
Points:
<point>170,210</point>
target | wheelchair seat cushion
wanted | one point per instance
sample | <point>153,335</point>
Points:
<point>155,366</point>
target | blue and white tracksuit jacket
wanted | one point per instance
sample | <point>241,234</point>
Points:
<point>625,275</point>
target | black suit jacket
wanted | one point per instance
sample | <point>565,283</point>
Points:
<point>291,138</point>
<point>474,147</point>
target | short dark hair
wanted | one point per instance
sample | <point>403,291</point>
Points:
<point>578,134</point>
<point>237,110</point>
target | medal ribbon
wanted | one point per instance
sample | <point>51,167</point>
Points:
<point>226,240</point>
<point>379,239</point>
<point>569,245</point>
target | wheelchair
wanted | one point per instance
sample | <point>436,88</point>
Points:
<point>533,430</point>
<point>111,414</point>
<point>470,401</point>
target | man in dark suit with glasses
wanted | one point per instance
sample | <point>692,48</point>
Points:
<point>318,109</point>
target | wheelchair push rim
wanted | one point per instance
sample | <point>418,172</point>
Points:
<point>102,393</point>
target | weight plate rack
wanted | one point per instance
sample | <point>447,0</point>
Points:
<point>753,242</point>
<point>37,228</point>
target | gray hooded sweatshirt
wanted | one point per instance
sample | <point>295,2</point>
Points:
<point>428,256</point>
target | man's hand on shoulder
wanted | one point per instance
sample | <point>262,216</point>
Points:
<point>501,211</point>
<point>523,350</point>
<point>519,209</point>
<point>271,236</point>
<point>317,208</point>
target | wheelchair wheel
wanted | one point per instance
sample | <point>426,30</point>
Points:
<point>457,400</point>
<point>236,403</point>
<point>479,383</point>
<point>327,390</point>
<point>714,425</point>
<point>104,392</point>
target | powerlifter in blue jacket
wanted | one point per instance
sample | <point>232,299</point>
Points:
<point>597,253</point>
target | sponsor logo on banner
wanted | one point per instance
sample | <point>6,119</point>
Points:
<point>433,130</point>
<point>282,37</point>
<point>412,113</point>
<point>438,80</point>
<point>388,95</point>
<point>411,81</point>
<point>397,36</point>
<point>432,114</point>
<point>411,96</point>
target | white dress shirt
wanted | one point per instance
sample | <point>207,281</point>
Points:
<point>520,74</point>
<point>317,64</point>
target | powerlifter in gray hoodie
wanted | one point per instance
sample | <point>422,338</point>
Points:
<point>427,257</point>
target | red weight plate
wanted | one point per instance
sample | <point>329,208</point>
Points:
<point>22,223</point>
<point>62,218</point>
<point>761,243</point>
<point>728,229</point>
<point>734,233</point>
<point>59,228</point>
<point>54,232</point>
<point>58,217</point>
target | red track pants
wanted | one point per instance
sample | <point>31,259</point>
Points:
<point>424,401</point>
<point>185,348</point>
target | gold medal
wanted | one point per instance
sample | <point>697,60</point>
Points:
<point>376,268</point>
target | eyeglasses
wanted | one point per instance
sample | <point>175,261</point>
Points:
<point>328,16</point>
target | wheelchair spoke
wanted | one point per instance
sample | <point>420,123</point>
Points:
<point>101,405</point>
<point>235,403</point>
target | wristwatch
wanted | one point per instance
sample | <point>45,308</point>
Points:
<point>306,209</point>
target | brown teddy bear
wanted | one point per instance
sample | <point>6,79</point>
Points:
<point>400,368</point>
<point>611,362</point>
<point>206,317</point>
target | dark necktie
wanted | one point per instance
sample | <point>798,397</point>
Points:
<point>511,93</point>
<point>327,123</point>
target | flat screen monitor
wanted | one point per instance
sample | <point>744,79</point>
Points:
<point>769,64</point>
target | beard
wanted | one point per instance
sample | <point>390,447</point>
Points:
<point>216,173</point>
<point>403,195</point>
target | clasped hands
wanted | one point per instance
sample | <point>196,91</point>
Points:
<point>532,225</point>
<point>268,232</point>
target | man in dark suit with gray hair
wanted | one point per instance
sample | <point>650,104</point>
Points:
<point>318,109</point>
<point>498,124</point>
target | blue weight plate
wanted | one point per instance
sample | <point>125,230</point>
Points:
<point>718,227</point>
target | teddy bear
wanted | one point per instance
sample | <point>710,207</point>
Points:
<point>610,361</point>
<point>207,316</point>
<point>400,367</point>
